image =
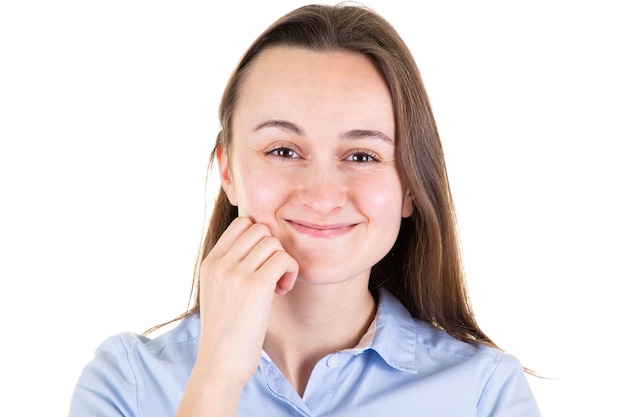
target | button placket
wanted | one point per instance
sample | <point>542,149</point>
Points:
<point>278,385</point>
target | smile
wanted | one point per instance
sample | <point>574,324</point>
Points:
<point>328,231</point>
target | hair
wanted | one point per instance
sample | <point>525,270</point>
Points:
<point>423,269</point>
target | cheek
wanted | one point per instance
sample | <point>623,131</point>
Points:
<point>380,196</point>
<point>260,193</point>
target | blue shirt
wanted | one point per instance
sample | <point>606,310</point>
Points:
<point>401,367</point>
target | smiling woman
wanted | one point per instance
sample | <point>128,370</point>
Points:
<point>329,282</point>
<point>312,156</point>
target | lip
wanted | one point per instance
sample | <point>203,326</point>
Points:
<point>327,231</point>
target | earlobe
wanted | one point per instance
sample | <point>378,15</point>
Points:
<point>407,205</point>
<point>226,178</point>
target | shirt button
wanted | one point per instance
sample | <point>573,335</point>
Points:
<point>332,362</point>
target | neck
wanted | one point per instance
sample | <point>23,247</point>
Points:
<point>313,321</point>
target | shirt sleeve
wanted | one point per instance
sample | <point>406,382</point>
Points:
<point>507,392</point>
<point>107,385</point>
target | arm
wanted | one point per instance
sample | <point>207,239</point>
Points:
<point>238,280</point>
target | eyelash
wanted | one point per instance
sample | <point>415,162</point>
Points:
<point>283,152</point>
<point>289,152</point>
<point>371,156</point>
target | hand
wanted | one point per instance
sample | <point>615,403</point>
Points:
<point>238,280</point>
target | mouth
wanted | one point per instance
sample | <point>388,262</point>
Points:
<point>327,231</point>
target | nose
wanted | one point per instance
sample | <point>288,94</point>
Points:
<point>322,188</point>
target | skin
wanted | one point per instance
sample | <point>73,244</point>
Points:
<point>313,173</point>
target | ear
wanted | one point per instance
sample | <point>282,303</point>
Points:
<point>407,205</point>
<point>226,178</point>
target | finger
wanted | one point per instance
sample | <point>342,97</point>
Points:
<point>282,270</point>
<point>232,233</point>
<point>287,282</point>
<point>261,252</point>
<point>237,240</point>
<point>248,241</point>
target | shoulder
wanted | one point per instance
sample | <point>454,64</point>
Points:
<point>417,346</point>
<point>131,345</point>
<point>440,347</point>
<point>491,379</point>
<point>129,368</point>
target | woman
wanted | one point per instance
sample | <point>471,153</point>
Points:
<point>329,282</point>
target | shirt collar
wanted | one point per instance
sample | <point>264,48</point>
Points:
<point>392,334</point>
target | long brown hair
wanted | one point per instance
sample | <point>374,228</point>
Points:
<point>423,269</point>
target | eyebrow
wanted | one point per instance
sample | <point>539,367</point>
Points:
<point>366,134</point>
<point>350,135</point>
<point>280,124</point>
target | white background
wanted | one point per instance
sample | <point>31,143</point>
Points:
<point>108,114</point>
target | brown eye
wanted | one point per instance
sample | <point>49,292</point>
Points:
<point>283,152</point>
<point>362,157</point>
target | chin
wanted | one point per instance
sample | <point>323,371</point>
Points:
<point>332,275</point>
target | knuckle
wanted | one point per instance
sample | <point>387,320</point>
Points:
<point>244,221</point>
<point>261,228</point>
<point>271,242</point>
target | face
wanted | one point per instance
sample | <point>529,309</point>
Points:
<point>313,157</point>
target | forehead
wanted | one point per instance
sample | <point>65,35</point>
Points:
<point>280,65</point>
<point>335,86</point>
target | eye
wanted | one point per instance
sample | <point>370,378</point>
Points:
<point>286,152</point>
<point>362,157</point>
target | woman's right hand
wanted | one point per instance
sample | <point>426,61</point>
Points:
<point>238,280</point>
